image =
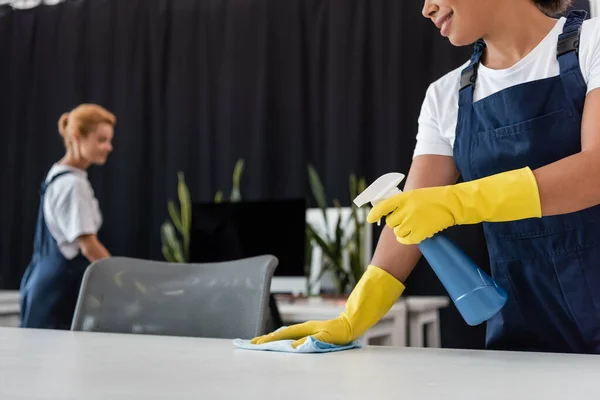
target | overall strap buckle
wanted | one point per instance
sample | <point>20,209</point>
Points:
<point>569,38</point>
<point>568,42</point>
<point>469,76</point>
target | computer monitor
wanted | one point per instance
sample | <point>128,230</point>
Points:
<point>227,231</point>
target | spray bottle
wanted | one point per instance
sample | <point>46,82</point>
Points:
<point>474,293</point>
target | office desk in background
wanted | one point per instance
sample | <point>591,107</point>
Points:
<point>10,309</point>
<point>43,365</point>
<point>412,314</point>
<point>390,330</point>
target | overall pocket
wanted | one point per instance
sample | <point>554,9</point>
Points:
<point>578,275</point>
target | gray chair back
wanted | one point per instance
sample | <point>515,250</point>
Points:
<point>215,300</point>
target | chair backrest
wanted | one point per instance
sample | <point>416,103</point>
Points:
<point>216,300</point>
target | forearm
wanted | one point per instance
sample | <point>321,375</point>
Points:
<point>95,253</point>
<point>93,249</point>
<point>397,259</point>
<point>572,184</point>
<point>569,185</point>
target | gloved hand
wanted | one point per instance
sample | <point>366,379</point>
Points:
<point>371,299</point>
<point>419,214</point>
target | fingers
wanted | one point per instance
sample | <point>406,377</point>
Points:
<point>257,339</point>
<point>402,233</point>
<point>299,342</point>
<point>396,218</point>
<point>407,237</point>
<point>292,332</point>
<point>384,207</point>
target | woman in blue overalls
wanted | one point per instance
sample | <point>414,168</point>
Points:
<point>68,221</point>
<point>521,123</point>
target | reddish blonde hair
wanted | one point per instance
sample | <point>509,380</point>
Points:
<point>83,119</point>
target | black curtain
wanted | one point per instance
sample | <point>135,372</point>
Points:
<point>196,85</point>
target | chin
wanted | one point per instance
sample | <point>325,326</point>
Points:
<point>101,161</point>
<point>458,41</point>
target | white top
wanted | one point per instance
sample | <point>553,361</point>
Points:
<point>70,208</point>
<point>437,121</point>
<point>52,364</point>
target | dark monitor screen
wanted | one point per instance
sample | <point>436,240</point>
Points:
<point>229,231</point>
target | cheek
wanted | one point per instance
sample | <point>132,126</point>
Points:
<point>91,150</point>
<point>466,30</point>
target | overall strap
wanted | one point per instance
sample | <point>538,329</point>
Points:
<point>46,184</point>
<point>41,228</point>
<point>468,75</point>
<point>567,49</point>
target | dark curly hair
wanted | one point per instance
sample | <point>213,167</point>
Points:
<point>553,7</point>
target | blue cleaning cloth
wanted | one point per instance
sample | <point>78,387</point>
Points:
<point>311,345</point>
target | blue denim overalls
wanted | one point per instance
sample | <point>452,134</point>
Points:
<point>550,267</point>
<point>50,285</point>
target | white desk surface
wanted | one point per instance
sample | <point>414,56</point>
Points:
<point>84,366</point>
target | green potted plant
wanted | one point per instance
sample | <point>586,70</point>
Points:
<point>175,233</point>
<point>177,230</point>
<point>345,272</point>
<point>235,195</point>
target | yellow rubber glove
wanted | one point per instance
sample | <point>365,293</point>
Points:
<point>373,296</point>
<point>419,214</point>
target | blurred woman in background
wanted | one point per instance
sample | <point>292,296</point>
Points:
<point>68,221</point>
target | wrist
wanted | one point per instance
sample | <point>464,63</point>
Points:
<point>506,196</point>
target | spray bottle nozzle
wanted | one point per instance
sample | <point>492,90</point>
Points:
<point>384,187</point>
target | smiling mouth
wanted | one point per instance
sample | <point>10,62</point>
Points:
<point>443,19</point>
<point>443,23</point>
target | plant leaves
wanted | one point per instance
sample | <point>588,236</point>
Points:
<point>235,196</point>
<point>171,241</point>
<point>186,203</point>
<point>322,243</point>
<point>167,254</point>
<point>334,248</point>
<point>318,193</point>
<point>238,170</point>
<point>355,246</point>
<point>174,214</point>
<point>186,214</point>
<point>339,236</point>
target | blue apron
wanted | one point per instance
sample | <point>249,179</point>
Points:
<point>550,267</point>
<point>50,285</point>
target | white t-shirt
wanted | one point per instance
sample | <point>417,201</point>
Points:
<point>70,208</point>
<point>439,112</point>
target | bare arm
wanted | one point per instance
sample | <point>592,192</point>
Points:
<point>91,248</point>
<point>572,184</point>
<point>425,171</point>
